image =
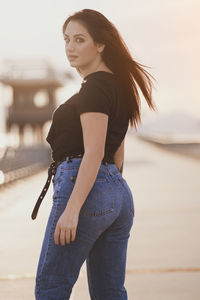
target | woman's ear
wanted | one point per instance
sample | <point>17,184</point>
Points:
<point>100,47</point>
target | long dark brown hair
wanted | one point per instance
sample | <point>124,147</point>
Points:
<point>118,59</point>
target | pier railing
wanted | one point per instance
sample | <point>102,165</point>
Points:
<point>16,163</point>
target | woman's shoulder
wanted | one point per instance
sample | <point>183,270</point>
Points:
<point>99,82</point>
<point>99,75</point>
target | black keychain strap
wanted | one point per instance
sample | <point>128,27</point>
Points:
<point>51,172</point>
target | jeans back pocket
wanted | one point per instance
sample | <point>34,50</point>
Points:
<point>100,199</point>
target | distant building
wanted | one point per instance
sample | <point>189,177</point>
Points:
<point>33,83</point>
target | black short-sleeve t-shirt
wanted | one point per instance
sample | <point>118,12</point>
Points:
<point>95,97</point>
<point>100,92</point>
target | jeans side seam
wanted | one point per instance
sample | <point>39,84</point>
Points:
<point>92,284</point>
<point>47,252</point>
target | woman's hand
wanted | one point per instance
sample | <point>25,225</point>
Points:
<point>66,226</point>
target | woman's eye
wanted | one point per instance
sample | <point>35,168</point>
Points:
<point>79,40</point>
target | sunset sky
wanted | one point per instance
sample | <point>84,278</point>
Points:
<point>164,35</point>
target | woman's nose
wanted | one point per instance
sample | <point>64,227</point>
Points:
<point>69,46</point>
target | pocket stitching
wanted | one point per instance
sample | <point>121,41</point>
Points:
<point>85,212</point>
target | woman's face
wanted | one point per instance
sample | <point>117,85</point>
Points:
<point>79,43</point>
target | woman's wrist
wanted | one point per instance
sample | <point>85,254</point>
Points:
<point>74,205</point>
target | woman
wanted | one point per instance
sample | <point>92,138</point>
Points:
<point>93,209</point>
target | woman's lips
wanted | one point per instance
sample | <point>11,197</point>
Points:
<point>72,56</point>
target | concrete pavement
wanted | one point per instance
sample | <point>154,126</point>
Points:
<point>163,253</point>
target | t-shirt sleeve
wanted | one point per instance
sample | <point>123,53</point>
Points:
<point>94,96</point>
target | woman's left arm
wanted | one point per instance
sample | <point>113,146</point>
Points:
<point>94,128</point>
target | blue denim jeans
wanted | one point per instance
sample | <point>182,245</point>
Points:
<point>102,234</point>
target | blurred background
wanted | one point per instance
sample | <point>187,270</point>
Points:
<point>35,77</point>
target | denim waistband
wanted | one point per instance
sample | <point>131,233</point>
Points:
<point>69,163</point>
<point>76,161</point>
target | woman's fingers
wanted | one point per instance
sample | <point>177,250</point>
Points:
<point>62,236</point>
<point>59,235</point>
<point>70,235</point>
<point>73,234</point>
<point>56,235</point>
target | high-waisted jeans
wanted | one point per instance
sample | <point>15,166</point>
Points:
<point>102,234</point>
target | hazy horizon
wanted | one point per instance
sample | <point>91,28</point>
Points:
<point>163,36</point>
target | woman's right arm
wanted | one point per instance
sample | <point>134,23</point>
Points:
<point>119,156</point>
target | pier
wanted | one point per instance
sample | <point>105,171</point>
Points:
<point>163,251</point>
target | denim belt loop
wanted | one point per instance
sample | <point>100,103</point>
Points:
<point>68,159</point>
